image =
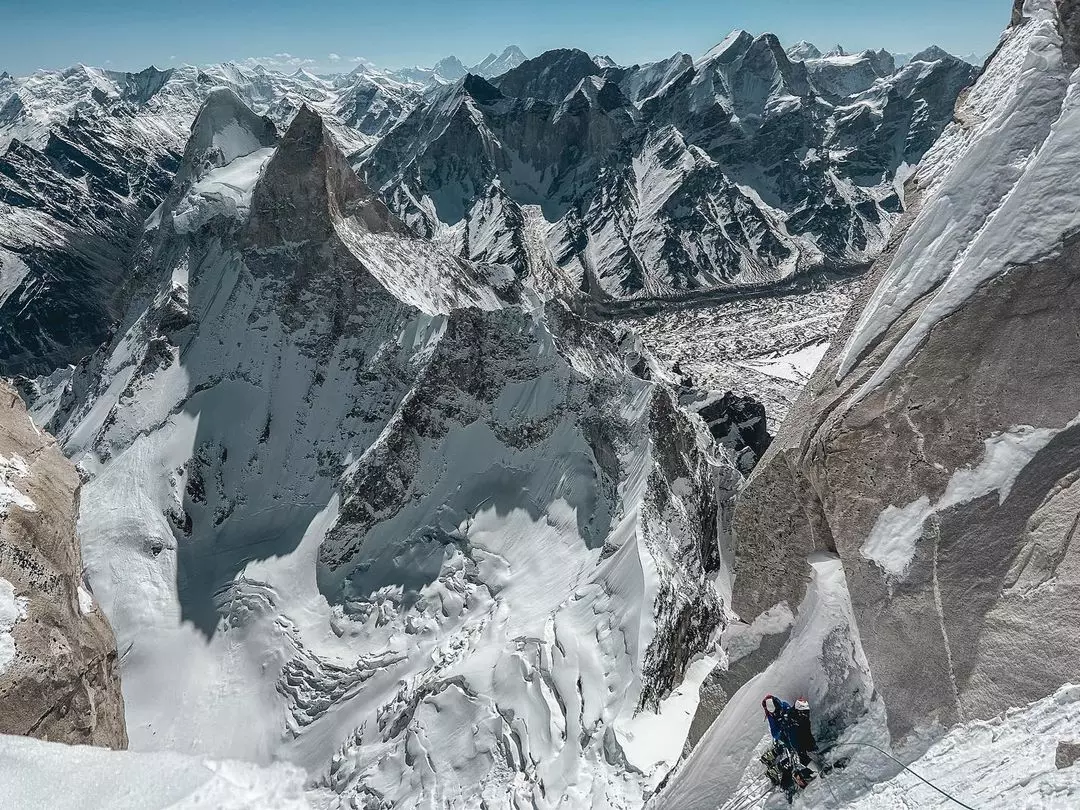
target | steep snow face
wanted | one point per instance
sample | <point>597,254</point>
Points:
<point>949,252</point>
<point>351,500</point>
<point>87,155</point>
<point>1001,763</point>
<point>673,178</point>
<point>821,660</point>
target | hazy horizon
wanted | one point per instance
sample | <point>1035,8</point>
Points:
<point>334,36</point>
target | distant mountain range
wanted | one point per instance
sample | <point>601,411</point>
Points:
<point>748,165</point>
<point>451,69</point>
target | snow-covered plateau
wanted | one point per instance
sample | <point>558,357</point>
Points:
<point>402,440</point>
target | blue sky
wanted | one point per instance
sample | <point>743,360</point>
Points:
<point>125,34</point>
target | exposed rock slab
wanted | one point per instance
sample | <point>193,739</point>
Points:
<point>939,456</point>
<point>58,663</point>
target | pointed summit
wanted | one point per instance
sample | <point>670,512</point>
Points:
<point>932,54</point>
<point>729,48</point>
<point>308,185</point>
<point>493,65</point>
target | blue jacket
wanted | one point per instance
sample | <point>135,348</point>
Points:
<point>782,724</point>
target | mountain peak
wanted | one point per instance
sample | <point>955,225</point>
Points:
<point>730,47</point>
<point>308,185</point>
<point>450,67</point>
<point>932,54</point>
<point>224,129</point>
<point>838,50</point>
<point>801,51</point>
<point>493,65</point>
<point>550,76</point>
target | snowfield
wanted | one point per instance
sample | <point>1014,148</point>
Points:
<point>1007,763</point>
<point>36,775</point>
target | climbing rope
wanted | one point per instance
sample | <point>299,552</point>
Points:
<point>947,795</point>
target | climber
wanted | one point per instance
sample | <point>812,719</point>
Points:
<point>790,725</point>
<point>791,738</point>
<point>806,745</point>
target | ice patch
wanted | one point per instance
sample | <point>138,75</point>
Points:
<point>11,469</point>
<point>795,367</point>
<point>12,610</point>
<point>892,541</point>
<point>221,192</point>
<point>86,602</point>
<point>234,141</point>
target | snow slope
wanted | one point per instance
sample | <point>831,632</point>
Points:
<point>36,775</point>
<point>1006,160</point>
<point>822,660</point>
<point>1005,763</point>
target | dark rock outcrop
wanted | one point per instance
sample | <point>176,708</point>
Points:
<point>740,424</point>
